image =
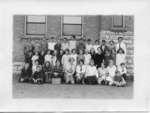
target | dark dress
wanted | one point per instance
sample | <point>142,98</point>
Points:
<point>25,75</point>
<point>98,59</point>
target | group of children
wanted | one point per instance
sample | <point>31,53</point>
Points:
<point>82,63</point>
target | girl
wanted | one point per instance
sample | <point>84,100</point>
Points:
<point>91,73</point>
<point>112,49</point>
<point>92,52</point>
<point>35,57</point>
<point>87,57</point>
<point>98,58</point>
<point>59,56</point>
<point>65,58</point>
<point>41,57</point>
<point>89,45</point>
<point>54,58</point>
<point>69,71</point>
<point>107,58</point>
<point>34,66</point>
<point>25,73</point>
<point>80,72</point>
<point>120,57</point>
<point>102,74</point>
<point>48,57</point>
<point>47,69</point>
<point>80,56</point>
<point>74,55</point>
<point>111,69</point>
<point>96,45</point>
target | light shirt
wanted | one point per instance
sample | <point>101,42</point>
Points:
<point>72,44</point>
<point>122,70</point>
<point>53,60</point>
<point>120,58</point>
<point>95,47</point>
<point>65,60</point>
<point>34,68</point>
<point>121,45</point>
<point>111,70</point>
<point>88,47</point>
<point>87,59</point>
<point>80,69</point>
<point>91,71</point>
<point>70,68</point>
<point>34,58</point>
<point>65,46</point>
<point>48,58</point>
<point>51,45</point>
<point>102,72</point>
<point>75,58</point>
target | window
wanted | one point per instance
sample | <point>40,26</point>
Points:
<point>118,23</point>
<point>72,25</point>
<point>35,25</point>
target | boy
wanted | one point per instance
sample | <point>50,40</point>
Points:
<point>89,45</point>
<point>111,69</point>
<point>38,75</point>
<point>26,73</point>
<point>123,71</point>
<point>102,74</point>
<point>91,73</point>
<point>69,71</point>
<point>80,72</point>
<point>96,45</point>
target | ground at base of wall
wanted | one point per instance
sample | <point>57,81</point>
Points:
<point>27,90</point>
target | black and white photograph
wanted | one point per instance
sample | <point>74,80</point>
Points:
<point>73,56</point>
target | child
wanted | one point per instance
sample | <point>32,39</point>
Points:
<point>119,80</point>
<point>102,74</point>
<point>123,71</point>
<point>111,69</point>
<point>112,49</point>
<point>89,45</point>
<point>92,52</point>
<point>103,47</point>
<point>69,71</point>
<point>65,44</point>
<point>96,45</point>
<point>51,44</point>
<point>35,57</point>
<point>91,73</point>
<point>65,58</point>
<point>58,71</point>
<point>59,56</point>
<point>120,57</point>
<point>74,55</point>
<point>87,57</point>
<point>38,75</point>
<point>25,73</point>
<point>48,57</point>
<point>98,58</point>
<point>47,69</point>
<point>80,56</point>
<point>107,58</point>
<point>54,58</point>
<point>80,72</point>
<point>72,42</point>
<point>41,57</point>
<point>34,66</point>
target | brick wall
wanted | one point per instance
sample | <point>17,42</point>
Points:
<point>128,40</point>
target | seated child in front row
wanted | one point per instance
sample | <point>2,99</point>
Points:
<point>123,70</point>
<point>37,77</point>
<point>26,73</point>
<point>111,71</point>
<point>69,71</point>
<point>91,73</point>
<point>47,69</point>
<point>102,74</point>
<point>119,80</point>
<point>80,72</point>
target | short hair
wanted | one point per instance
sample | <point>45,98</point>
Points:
<point>67,50</point>
<point>96,40</point>
<point>122,63</point>
<point>89,40</point>
<point>73,50</point>
<point>120,37</point>
<point>103,40</point>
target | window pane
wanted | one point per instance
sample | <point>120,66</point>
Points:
<point>72,19</point>
<point>118,21</point>
<point>39,19</point>
<point>72,29</point>
<point>35,28</point>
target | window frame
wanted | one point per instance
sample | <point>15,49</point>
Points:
<point>62,25</point>
<point>27,35</point>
